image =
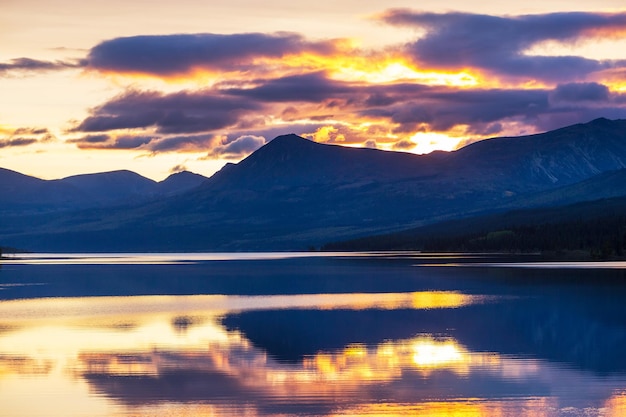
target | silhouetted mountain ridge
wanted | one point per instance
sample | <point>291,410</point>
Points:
<point>22,194</point>
<point>294,193</point>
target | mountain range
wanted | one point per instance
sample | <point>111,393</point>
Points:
<point>23,194</point>
<point>293,194</point>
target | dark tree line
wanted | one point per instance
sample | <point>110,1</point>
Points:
<point>601,237</point>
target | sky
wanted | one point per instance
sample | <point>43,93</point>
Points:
<point>157,86</point>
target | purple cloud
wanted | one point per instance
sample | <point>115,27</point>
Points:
<point>443,108</point>
<point>182,112</point>
<point>576,92</point>
<point>35,65</point>
<point>192,143</point>
<point>314,87</point>
<point>498,44</point>
<point>124,142</point>
<point>152,144</point>
<point>11,143</point>
<point>167,55</point>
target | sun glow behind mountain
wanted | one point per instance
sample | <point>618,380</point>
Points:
<point>176,94</point>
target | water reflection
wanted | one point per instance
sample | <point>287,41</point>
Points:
<point>200,355</point>
<point>315,335</point>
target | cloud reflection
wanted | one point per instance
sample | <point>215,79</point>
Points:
<point>149,355</point>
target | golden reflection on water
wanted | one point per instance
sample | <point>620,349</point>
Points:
<point>166,355</point>
<point>473,407</point>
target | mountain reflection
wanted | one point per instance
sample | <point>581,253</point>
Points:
<point>193,355</point>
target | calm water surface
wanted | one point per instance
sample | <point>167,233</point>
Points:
<point>310,334</point>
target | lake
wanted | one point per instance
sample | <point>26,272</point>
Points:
<point>310,334</point>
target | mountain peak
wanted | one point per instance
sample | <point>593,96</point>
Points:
<point>289,137</point>
<point>284,148</point>
<point>179,182</point>
<point>289,141</point>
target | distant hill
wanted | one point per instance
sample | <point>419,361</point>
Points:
<point>22,194</point>
<point>178,183</point>
<point>25,194</point>
<point>110,187</point>
<point>294,193</point>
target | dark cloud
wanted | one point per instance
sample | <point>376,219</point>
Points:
<point>31,131</point>
<point>237,148</point>
<point>193,143</point>
<point>314,87</point>
<point>152,144</point>
<point>403,145</point>
<point>132,142</point>
<point>575,92</point>
<point>182,112</point>
<point>178,168</point>
<point>167,55</point>
<point>123,142</point>
<point>15,142</point>
<point>498,43</point>
<point>34,65</point>
<point>90,139</point>
<point>442,108</point>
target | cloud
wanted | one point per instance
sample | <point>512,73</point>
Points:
<point>104,141</point>
<point>31,131</point>
<point>170,55</point>
<point>371,144</point>
<point>403,145</point>
<point>178,168</point>
<point>34,65</point>
<point>90,140</point>
<point>239,114</point>
<point>313,87</point>
<point>10,143</point>
<point>192,143</point>
<point>442,108</point>
<point>25,136</point>
<point>181,112</point>
<point>577,92</point>
<point>497,44</point>
<point>237,148</point>
<point>151,144</point>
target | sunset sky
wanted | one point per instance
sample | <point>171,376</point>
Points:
<point>157,87</point>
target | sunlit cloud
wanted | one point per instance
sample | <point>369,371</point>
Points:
<point>464,77</point>
<point>237,148</point>
<point>24,136</point>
